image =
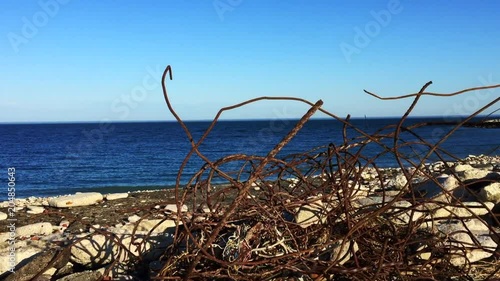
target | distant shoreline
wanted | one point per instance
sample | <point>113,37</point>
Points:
<point>485,124</point>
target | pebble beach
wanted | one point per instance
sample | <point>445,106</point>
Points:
<point>44,225</point>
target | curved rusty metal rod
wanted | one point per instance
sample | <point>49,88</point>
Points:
<point>244,189</point>
<point>340,169</point>
<point>433,94</point>
<point>398,131</point>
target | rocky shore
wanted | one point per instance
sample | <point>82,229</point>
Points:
<point>487,124</point>
<point>82,236</point>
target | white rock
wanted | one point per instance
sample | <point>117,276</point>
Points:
<point>89,275</point>
<point>79,199</point>
<point>424,253</point>
<point>3,216</point>
<point>64,224</point>
<point>476,225</point>
<point>173,208</point>
<point>133,218</point>
<point>115,196</point>
<point>471,209</point>
<point>475,174</point>
<point>342,252</point>
<point>374,200</point>
<point>403,212</point>
<point>491,193</point>
<point>50,272</point>
<point>137,245</point>
<point>41,228</point>
<point>35,210</point>
<point>54,237</point>
<point>20,202</point>
<point>462,168</point>
<point>450,183</point>
<point>23,250</point>
<point>311,213</point>
<point>460,238</point>
<point>399,181</point>
<point>124,278</point>
<point>93,250</point>
<point>434,190</point>
<point>147,225</point>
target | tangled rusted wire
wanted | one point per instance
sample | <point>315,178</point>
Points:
<point>299,217</point>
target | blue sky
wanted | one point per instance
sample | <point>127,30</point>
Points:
<point>73,60</point>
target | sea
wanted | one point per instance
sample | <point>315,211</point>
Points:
<point>64,158</point>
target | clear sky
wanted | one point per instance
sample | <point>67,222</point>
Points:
<point>75,60</point>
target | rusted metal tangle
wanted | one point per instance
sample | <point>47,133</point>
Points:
<point>243,228</point>
<point>242,222</point>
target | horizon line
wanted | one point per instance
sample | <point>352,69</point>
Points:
<point>227,120</point>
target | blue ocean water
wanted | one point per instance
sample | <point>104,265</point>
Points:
<point>54,159</point>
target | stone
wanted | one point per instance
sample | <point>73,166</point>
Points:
<point>37,263</point>
<point>79,199</point>
<point>475,174</point>
<point>41,228</point>
<point>24,251</point>
<point>311,213</point>
<point>491,193</point>
<point>88,275</point>
<point>374,201</point>
<point>64,223</point>
<point>156,225</point>
<point>434,188</point>
<point>470,209</point>
<point>153,246</point>
<point>462,168</point>
<point>3,216</point>
<point>173,208</point>
<point>424,253</point>
<point>460,240</point>
<point>399,181</point>
<point>50,272</point>
<point>93,250</point>
<point>342,253</point>
<point>476,225</point>
<point>133,218</point>
<point>116,196</point>
<point>402,213</point>
<point>64,270</point>
<point>124,278</point>
<point>35,209</point>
